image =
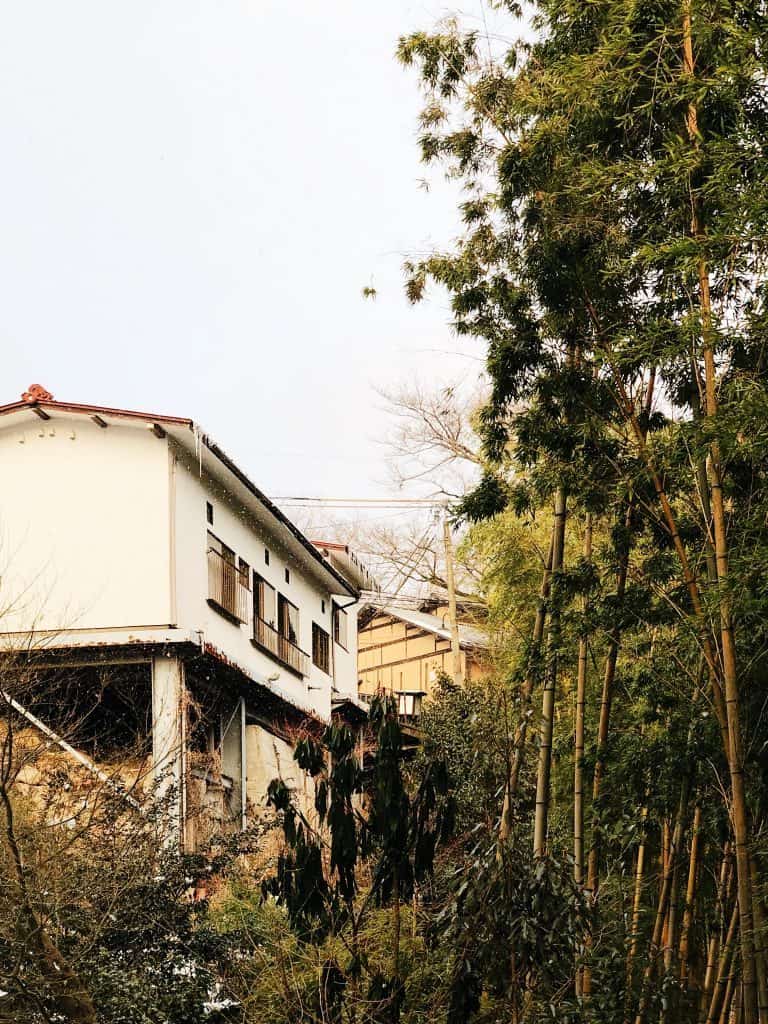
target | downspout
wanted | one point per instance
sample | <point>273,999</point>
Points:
<point>341,607</point>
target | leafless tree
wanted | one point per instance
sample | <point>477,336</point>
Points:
<point>433,443</point>
<point>62,816</point>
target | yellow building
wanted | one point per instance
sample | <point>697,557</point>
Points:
<point>402,652</point>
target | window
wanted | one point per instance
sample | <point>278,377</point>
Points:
<point>266,556</point>
<point>245,573</point>
<point>227,554</point>
<point>322,607</point>
<point>409,705</point>
<point>264,601</point>
<point>209,512</point>
<point>340,624</point>
<point>276,627</point>
<point>287,620</point>
<point>287,576</point>
<point>320,648</point>
<point>227,589</point>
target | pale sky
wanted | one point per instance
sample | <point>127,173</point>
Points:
<point>192,196</point>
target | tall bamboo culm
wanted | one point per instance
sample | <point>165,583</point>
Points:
<point>550,686</point>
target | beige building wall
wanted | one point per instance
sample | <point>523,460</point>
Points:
<point>397,657</point>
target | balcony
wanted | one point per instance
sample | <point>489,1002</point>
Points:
<point>280,647</point>
<point>227,592</point>
<point>409,706</point>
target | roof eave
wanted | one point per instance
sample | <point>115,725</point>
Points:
<point>90,410</point>
<point>222,456</point>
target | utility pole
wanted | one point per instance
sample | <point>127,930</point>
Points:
<point>451,580</point>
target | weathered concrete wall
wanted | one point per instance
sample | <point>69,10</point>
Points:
<point>169,740</point>
<point>270,757</point>
<point>233,761</point>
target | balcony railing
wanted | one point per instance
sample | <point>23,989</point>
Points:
<point>409,706</point>
<point>280,647</point>
<point>226,590</point>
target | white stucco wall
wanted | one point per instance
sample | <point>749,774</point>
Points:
<point>84,526</point>
<point>238,529</point>
<point>345,660</point>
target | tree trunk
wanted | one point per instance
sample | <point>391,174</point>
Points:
<point>527,688</point>
<point>690,894</point>
<point>723,968</point>
<point>603,729</point>
<point>739,812</point>
<point>761,962</point>
<point>637,897</point>
<point>550,687</point>
<point>578,758</point>
<point>663,905</point>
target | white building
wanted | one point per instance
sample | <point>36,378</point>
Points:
<point>130,542</point>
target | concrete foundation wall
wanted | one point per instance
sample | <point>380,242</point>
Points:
<point>169,740</point>
<point>270,757</point>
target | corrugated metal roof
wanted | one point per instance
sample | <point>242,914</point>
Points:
<point>469,636</point>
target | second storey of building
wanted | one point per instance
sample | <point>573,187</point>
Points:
<point>119,527</point>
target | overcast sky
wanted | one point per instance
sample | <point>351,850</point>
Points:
<point>193,195</point>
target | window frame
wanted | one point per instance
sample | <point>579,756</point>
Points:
<point>338,611</point>
<point>283,604</point>
<point>321,648</point>
<point>226,552</point>
<point>259,585</point>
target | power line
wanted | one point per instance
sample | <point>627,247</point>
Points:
<point>361,502</point>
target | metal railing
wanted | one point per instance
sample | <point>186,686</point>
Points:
<point>226,588</point>
<point>280,647</point>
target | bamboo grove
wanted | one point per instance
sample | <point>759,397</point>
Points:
<point>612,262</point>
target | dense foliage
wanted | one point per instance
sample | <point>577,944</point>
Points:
<point>612,264</point>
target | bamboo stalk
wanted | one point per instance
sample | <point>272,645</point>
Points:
<point>761,960</point>
<point>739,812</point>
<point>527,690</point>
<point>723,969</point>
<point>549,690</point>
<point>606,701</point>
<point>671,923</point>
<point>662,906</point>
<point>637,898</point>
<point>730,991</point>
<point>690,894</point>
<point>578,760</point>
<point>603,729</point>
<point>723,889</point>
<point>689,577</point>
<point>578,757</point>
